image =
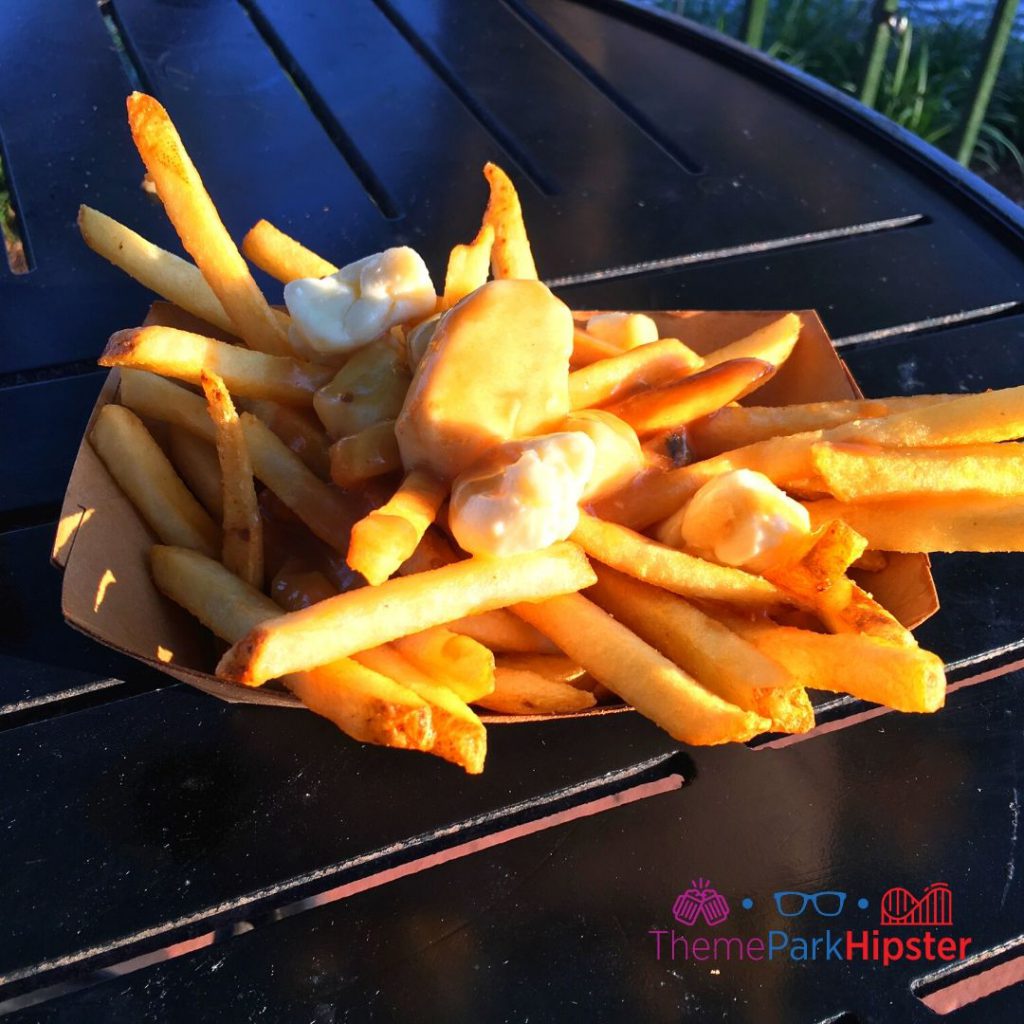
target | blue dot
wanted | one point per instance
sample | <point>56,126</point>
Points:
<point>862,903</point>
<point>747,903</point>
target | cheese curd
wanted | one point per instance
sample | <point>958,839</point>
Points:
<point>618,455</point>
<point>523,496</point>
<point>626,330</point>
<point>344,311</point>
<point>742,519</point>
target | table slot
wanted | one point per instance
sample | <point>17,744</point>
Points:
<point>556,926</point>
<point>176,808</point>
<point>856,284</point>
<point>41,425</point>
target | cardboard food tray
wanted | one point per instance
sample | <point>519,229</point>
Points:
<point>102,544</point>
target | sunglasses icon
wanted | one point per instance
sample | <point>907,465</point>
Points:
<point>827,903</point>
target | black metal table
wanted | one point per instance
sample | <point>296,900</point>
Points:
<point>167,857</point>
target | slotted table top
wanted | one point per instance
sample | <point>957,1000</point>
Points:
<point>170,857</point>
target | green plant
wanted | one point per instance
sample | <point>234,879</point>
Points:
<point>926,85</point>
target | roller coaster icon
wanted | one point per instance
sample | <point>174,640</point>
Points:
<point>934,908</point>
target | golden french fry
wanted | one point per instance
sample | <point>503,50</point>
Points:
<point>184,355</point>
<point>369,388</point>
<point>465,666</point>
<point>241,525</point>
<point>199,226</point>
<point>468,267</point>
<point>460,737</point>
<point>556,667</point>
<point>818,583</point>
<point>150,395</point>
<point>281,256</point>
<point>366,618</point>
<point>146,476</point>
<point>965,419</point>
<point>639,674</point>
<point>299,429</point>
<point>655,365</point>
<point>370,453</point>
<point>772,343</point>
<point>677,571</point>
<point>227,605</point>
<point>587,348</point>
<point>160,271</point>
<point>854,472</point>
<point>387,537</point>
<point>654,495</point>
<point>327,512</point>
<point>697,395</point>
<point>197,464</point>
<point>901,677</point>
<point>501,631</point>
<point>369,707</point>
<point>930,524</point>
<point>522,692</point>
<point>295,585</point>
<point>510,255</point>
<point>736,426</point>
<point>362,703</point>
<point>709,651</point>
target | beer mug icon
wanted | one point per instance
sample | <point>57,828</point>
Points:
<point>700,900</point>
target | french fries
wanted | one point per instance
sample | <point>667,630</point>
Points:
<point>370,453</point>
<point>468,267</point>
<point>587,348</point>
<point>459,736</point>
<point>461,663</point>
<point>865,473</point>
<point>772,344</point>
<point>327,512</point>
<point>197,463</point>
<point>736,426</point>
<point>510,254</point>
<point>387,537</point>
<point>299,430</point>
<point>522,692</point>
<point>639,674</point>
<point>965,419</point>
<point>818,583</point>
<point>649,366</point>
<point>352,622</point>
<point>502,632</point>
<point>725,663</point>
<point>241,525</point>
<point>931,523</point>
<point>711,652</point>
<point>676,571</point>
<point>185,356</point>
<point>901,677</point>
<point>281,256</point>
<point>199,227</point>
<point>143,472</point>
<point>702,393</point>
<point>154,268</point>
<point>364,704</point>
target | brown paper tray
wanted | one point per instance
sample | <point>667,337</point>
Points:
<point>102,544</point>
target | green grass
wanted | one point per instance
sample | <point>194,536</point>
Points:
<point>927,80</point>
<point>13,247</point>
